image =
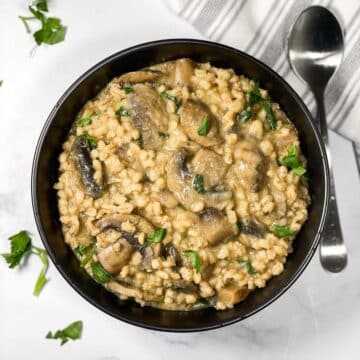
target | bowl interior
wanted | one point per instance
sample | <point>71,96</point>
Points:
<point>45,172</point>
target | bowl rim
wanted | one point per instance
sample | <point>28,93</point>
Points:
<point>152,44</point>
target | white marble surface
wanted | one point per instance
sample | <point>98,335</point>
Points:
<point>318,318</point>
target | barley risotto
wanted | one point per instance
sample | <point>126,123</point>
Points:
<point>182,186</point>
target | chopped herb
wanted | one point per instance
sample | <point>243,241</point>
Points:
<point>71,332</point>
<point>282,231</point>
<point>41,5</point>
<point>194,258</point>
<point>51,31</point>
<point>240,225</point>
<point>164,135</point>
<point>21,247</point>
<point>204,126</point>
<point>128,198</point>
<point>172,98</point>
<point>123,112</point>
<point>138,141</point>
<point>41,280</point>
<point>254,95</point>
<point>157,236</point>
<point>240,260</point>
<point>244,115</point>
<point>84,121</point>
<point>1,82</point>
<point>270,117</point>
<point>91,142</point>
<point>128,89</point>
<point>100,275</point>
<point>86,250</point>
<point>292,162</point>
<point>249,267</point>
<point>198,184</point>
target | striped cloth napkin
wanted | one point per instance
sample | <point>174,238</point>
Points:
<point>260,28</point>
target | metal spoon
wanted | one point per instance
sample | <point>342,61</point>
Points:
<point>315,50</point>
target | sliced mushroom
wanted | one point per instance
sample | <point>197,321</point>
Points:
<point>192,113</point>
<point>171,251</point>
<point>231,294</point>
<point>115,222</point>
<point>249,165</point>
<point>209,164</point>
<point>214,226</point>
<point>81,155</point>
<point>184,286</point>
<point>179,182</point>
<point>177,72</point>
<point>149,115</point>
<point>141,76</point>
<point>115,256</point>
<point>131,160</point>
<point>124,290</point>
<point>252,229</point>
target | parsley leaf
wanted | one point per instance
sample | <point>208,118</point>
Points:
<point>270,117</point>
<point>282,231</point>
<point>86,250</point>
<point>157,236</point>
<point>254,95</point>
<point>51,31</point>
<point>164,135</point>
<point>73,332</point>
<point>91,142</point>
<point>194,258</point>
<point>244,115</point>
<point>292,162</point>
<point>21,246</point>
<point>240,225</point>
<point>84,121</point>
<point>204,126</point>
<point>128,89</point>
<point>249,267</point>
<point>100,275</point>
<point>198,184</point>
<point>172,98</point>
<point>123,112</point>
<point>41,5</point>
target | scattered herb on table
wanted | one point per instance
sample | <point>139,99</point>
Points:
<point>194,258</point>
<point>157,236</point>
<point>1,82</point>
<point>100,275</point>
<point>292,162</point>
<point>123,112</point>
<point>71,332</point>
<point>172,98</point>
<point>198,184</point>
<point>282,231</point>
<point>204,127</point>
<point>51,31</point>
<point>20,248</point>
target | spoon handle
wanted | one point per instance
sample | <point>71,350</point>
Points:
<point>333,254</point>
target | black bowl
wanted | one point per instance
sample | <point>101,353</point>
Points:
<point>45,173</point>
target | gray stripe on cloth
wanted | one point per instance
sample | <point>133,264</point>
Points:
<point>271,15</point>
<point>208,14</point>
<point>230,21</point>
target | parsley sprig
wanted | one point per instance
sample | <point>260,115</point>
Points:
<point>51,31</point>
<point>20,248</point>
<point>292,162</point>
<point>71,332</point>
